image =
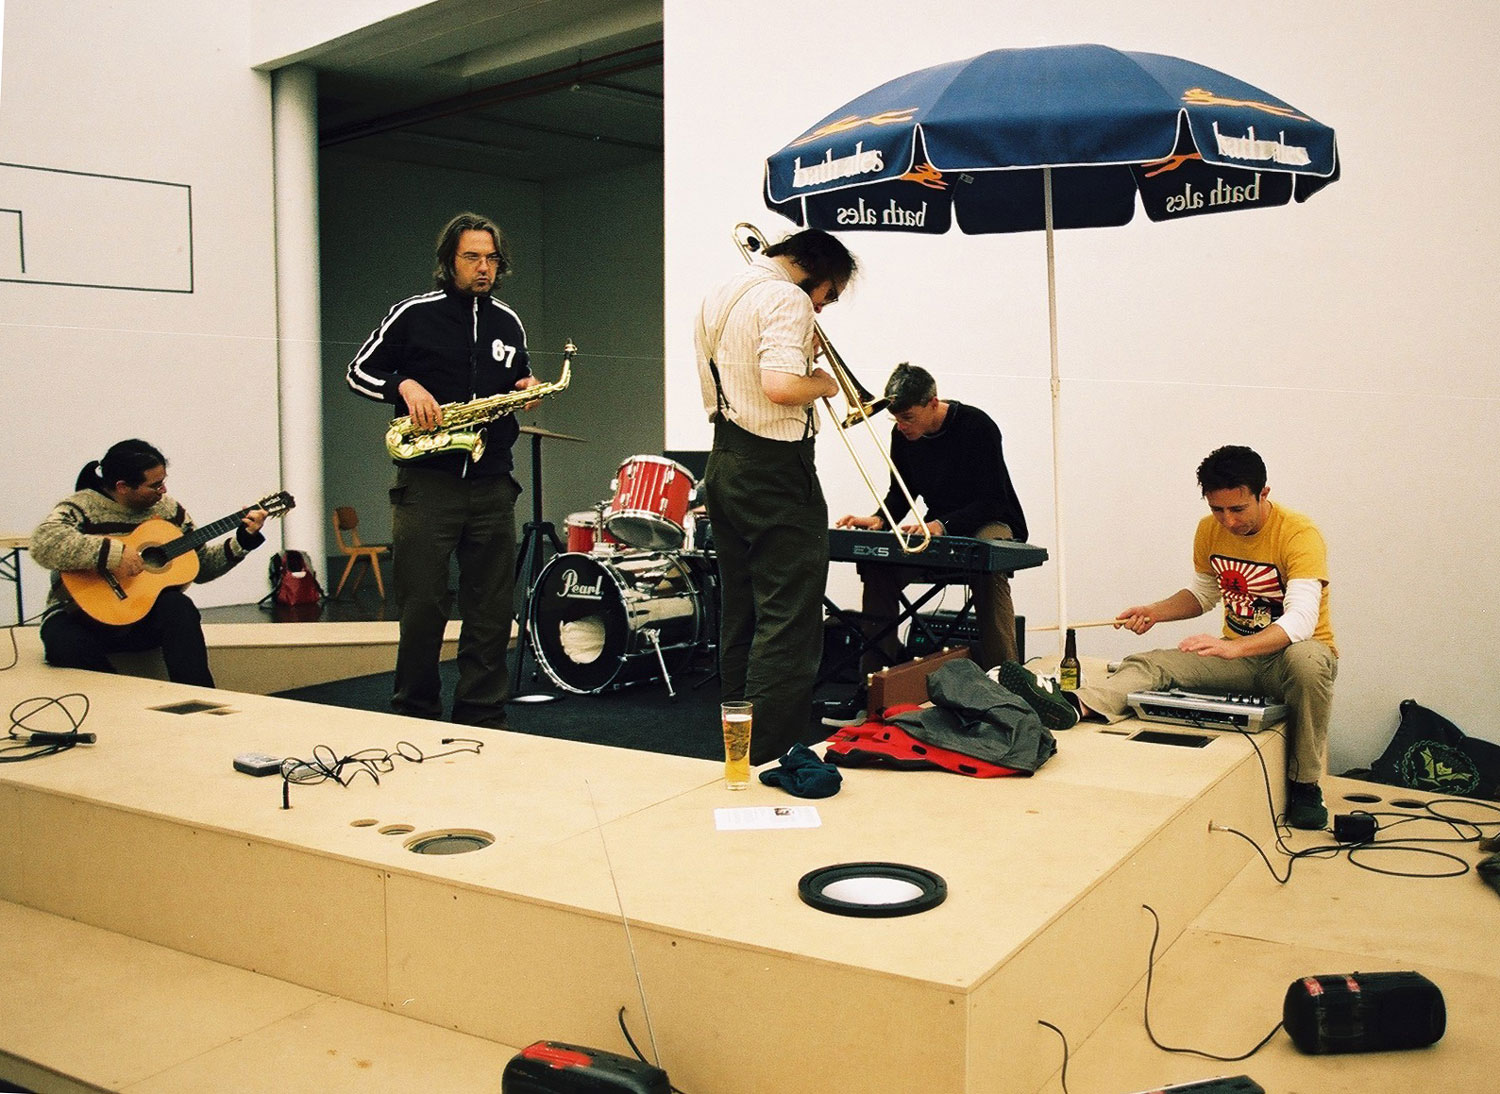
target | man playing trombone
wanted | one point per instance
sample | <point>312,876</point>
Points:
<point>950,454</point>
<point>756,346</point>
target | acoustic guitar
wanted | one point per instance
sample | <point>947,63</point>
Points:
<point>171,559</point>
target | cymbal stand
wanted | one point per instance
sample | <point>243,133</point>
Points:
<point>529,561</point>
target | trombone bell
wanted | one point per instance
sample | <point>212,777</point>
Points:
<point>863,411</point>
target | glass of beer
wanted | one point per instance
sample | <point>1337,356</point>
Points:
<point>736,718</point>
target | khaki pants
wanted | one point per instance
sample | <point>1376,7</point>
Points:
<point>1301,676</point>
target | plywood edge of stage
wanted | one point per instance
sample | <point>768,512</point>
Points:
<point>261,658</point>
<point>152,834</point>
<point>1220,986</point>
<point>88,1009</point>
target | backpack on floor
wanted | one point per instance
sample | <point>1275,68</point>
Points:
<point>1428,752</point>
<point>293,580</point>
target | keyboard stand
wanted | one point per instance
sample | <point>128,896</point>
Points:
<point>908,612</point>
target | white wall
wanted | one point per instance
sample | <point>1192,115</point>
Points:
<point>87,89</point>
<point>288,30</point>
<point>1349,339</point>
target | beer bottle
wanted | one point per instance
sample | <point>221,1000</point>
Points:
<point>1070,672</point>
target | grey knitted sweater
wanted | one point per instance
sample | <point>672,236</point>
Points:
<point>81,533</point>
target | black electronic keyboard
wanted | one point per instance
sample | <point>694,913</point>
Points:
<point>1207,709</point>
<point>952,553</point>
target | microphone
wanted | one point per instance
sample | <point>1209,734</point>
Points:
<point>71,738</point>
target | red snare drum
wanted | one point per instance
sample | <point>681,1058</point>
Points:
<point>586,532</point>
<point>650,503</point>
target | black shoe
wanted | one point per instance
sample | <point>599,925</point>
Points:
<point>1051,706</point>
<point>844,712</point>
<point>1304,806</point>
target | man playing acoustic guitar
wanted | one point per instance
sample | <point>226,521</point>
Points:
<point>87,533</point>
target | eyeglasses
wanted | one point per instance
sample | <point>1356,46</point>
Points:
<point>475,259</point>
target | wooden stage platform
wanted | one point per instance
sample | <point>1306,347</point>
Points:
<point>170,927</point>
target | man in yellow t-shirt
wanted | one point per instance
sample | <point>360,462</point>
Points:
<point>1270,568</point>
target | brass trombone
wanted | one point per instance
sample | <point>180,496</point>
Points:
<point>862,407</point>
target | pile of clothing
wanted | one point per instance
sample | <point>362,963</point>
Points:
<point>974,727</point>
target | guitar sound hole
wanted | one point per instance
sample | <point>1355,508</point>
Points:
<point>154,557</point>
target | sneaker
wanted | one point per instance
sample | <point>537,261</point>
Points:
<point>1304,806</point>
<point>844,712</point>
<point>1051,706</point>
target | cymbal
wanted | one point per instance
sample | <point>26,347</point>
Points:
<point>538,431</point>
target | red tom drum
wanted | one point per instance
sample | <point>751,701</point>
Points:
<point>586,532</point>
<point>650,504</point>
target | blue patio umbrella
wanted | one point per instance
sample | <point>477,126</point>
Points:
<point>1018,140</point>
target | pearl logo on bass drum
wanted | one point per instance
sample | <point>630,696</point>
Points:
<point>575,588</point>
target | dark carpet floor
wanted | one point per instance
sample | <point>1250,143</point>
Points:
<point>641,716</point>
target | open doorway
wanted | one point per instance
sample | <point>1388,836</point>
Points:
<point>548,118</point>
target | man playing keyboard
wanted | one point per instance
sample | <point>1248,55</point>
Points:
<point>950,455</point>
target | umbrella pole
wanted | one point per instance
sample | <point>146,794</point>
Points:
<point>1057,510</point>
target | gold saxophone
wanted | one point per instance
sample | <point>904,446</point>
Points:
<point>462,424</point>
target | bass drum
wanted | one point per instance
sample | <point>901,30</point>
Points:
<point>596,622</point>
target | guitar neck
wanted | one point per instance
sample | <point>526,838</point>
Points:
<point>191,541</point>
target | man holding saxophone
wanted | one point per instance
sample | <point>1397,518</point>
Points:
<point>755,349</point>
<point>452,345</point>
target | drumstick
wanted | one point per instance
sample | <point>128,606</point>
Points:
<point>1079,626</point>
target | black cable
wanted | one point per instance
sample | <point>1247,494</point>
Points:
<point>1351,849</point>
<point>327,765</point>
<point>1064,1038</point>
<point>15,648</point>
<point>1463,801</point>
<point>620,1017</point>
<point>1358,851</point>
<point>35,743</point>
<point>1146,1008</point>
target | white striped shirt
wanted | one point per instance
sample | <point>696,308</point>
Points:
<point>757,320</point>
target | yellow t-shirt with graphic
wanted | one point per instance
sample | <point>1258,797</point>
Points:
<point>1252,571</point>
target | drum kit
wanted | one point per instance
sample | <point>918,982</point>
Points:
<point>635,596</point>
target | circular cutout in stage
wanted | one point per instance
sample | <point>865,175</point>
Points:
<point>1363,799</point>
<point>397,829</point>
<point>364,822</point>
<point>872,889</point>
<point>457,842</point>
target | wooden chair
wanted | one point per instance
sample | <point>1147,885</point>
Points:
<point>346,524</point>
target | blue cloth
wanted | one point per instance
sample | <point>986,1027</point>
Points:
<point>801,773</point>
